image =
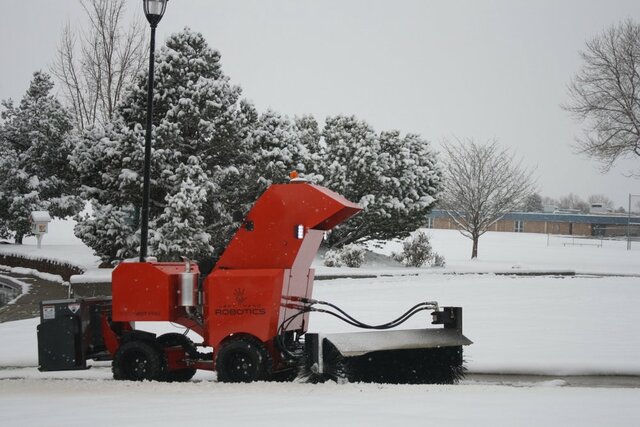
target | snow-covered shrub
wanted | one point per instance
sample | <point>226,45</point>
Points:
<point>417,252</point>
<point>349,255</point>
<point>352,255</point>
<point>438,261</point>
<point>332,258</point>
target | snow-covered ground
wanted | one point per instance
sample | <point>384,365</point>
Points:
<point>31,402</point>
<point>498,252</point>
<point>59,244</point>
<point>586,324</point>
<point>521,252</point>
<point>532,325</point>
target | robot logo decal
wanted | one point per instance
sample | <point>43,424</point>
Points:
<point>240,307</point>
<point>239,294</point>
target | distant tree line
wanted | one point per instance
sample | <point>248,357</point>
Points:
<point>537,203</point>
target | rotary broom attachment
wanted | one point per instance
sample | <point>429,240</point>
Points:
<point>381,355</point>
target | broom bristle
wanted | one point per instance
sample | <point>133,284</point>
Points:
<point>442,365</point>
<point>333,367</point>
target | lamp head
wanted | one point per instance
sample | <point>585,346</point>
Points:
<point>154,10</point>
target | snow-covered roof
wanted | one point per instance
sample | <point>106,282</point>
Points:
<point>40,216</point>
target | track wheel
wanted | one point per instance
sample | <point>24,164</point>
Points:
<point>174,339</point>
<point>139,361</point>
<point>243,359</point>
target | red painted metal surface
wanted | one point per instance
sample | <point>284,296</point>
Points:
<point>264,263</point>
<point>111,338</point>
<point>176,358</point>
<point>148,291</point>
<point>282,207</point>
<point>242,302</point>
<point>268,261</point>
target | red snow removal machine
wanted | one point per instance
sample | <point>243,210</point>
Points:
<point>252,309</point>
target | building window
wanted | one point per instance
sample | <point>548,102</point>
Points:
<point>429,222</point>
<point>518,226</point>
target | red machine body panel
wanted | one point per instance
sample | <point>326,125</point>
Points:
<point>272,242</point>
<point>147,291</point>
<point>266,262</point>
<point>270,260</point>
<point>242,302</point>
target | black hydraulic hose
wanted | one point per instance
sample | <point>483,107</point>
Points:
<point>398,321</point>
<point>342,315</point>
<point>283,325</point>
<point>365,326</point>
<point>311,302</point>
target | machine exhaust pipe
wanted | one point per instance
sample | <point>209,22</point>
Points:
<point>188,287</point>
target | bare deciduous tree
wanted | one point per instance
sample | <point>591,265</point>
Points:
<point>550,201</point>
<point>605,95</point>
<point>481,184</point>
<point>533,203</point>
<point>95,64</point>
<point>574,201</point>
<point>601,198</point>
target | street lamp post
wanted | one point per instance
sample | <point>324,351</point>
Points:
<point>153,10</point>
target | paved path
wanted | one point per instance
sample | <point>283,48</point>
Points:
<point>28,306</point>
<point>102,372</point>
<point>589,381</point>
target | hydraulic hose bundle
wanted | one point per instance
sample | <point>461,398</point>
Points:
<point>306,305</point>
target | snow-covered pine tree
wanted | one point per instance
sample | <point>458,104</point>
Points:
<point>200,125</point>
<point>196,109</point>
<point>34,145</point>
<point>18,195</point>
<point>409,183</point>
<point>276,150</point>
<point>309,134</point>
<point>108,162</point>
<point>350,167</point>
<point>396,179</point>
<point>110,231</point>
<point>179,230</point>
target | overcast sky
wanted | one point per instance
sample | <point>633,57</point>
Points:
<point>443,69</point>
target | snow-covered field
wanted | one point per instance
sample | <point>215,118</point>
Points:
<point>586,324</point>
<point>498,252</point>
